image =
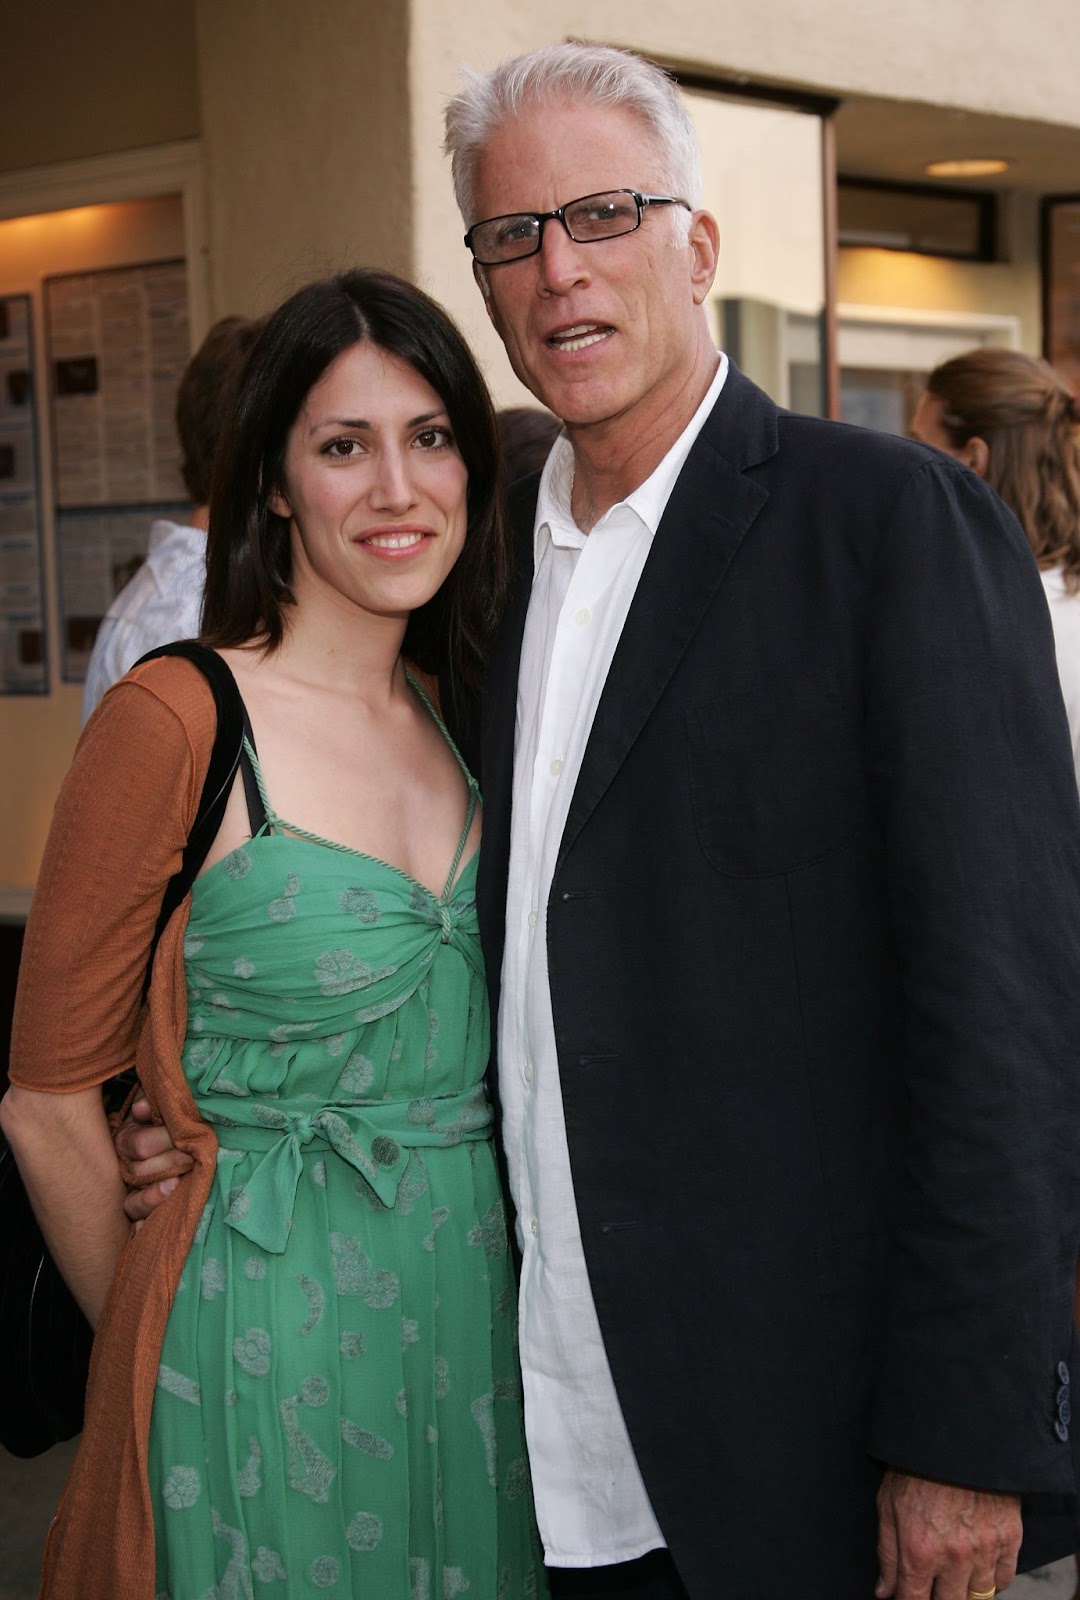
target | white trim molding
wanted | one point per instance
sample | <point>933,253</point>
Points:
<point>902,338</point>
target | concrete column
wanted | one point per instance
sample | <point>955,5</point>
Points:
<point>307,143</point>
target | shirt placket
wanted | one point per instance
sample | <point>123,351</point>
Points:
<point>556,751</point>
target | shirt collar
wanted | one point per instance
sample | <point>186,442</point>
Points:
<point>161,529</point>
<point>554,520</point>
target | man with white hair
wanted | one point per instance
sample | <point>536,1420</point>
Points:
<point>781,900</point>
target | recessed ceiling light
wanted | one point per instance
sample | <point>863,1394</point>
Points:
<point>967,167</point>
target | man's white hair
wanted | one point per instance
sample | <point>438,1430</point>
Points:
<point>574,74</point>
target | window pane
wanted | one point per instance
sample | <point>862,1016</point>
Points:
<point>927,221</point>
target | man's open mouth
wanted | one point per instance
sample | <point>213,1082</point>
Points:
<point>580,336</point>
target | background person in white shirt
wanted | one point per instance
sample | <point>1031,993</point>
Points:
<point>1014,420</point>
<point>163,601</point>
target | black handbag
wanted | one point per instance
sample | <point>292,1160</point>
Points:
<point>44,1338</point>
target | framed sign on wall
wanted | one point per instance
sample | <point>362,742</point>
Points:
<point>117,343</point>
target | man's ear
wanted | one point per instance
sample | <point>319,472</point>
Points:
<point>704,242</point>
<point>278,504</point>
<point>976,455</point>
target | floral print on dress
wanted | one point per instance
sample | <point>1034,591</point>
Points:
<point>339,1384</point>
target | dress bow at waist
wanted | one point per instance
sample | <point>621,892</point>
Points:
<point>374,1137</point>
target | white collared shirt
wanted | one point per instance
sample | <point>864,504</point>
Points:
<point>591,1503</point>
<point>162,602</point>
<point>1065,617</point>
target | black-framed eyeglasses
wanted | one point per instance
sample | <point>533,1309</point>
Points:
<point>589,220</point>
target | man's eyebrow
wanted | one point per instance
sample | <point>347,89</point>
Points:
<point>361,423</point>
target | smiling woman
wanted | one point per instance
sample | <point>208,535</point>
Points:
<point>376,502</point>
<point>368,317</point>
<point>306,1359</point>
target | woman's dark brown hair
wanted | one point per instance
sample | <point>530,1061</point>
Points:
<point>1029,420</point>
<point>249,561</point>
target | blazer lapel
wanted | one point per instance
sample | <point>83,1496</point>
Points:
<point>706,519</point>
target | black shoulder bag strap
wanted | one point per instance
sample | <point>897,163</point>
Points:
<point>232,724</point>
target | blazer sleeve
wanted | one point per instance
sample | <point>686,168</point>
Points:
<point>973,783</point>
<point>117,836</point>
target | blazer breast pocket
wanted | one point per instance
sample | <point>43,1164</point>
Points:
<point>776,776</point>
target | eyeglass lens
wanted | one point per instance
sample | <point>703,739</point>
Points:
<point>594,216</point>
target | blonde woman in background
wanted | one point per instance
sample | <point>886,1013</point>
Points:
<point>1015,422</point>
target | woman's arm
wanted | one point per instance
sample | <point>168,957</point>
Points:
<point>65,1154</point>
<point>118,831</point>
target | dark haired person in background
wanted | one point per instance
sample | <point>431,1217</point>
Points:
<point>526,435</point>
<point>163,601</point>
<point>1012,419</point>
<point>305,1370</point>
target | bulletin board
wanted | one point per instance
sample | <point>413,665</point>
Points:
<point>23,661</point>
<point>117,343</point>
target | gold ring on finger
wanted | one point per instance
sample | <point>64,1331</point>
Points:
<point>982,1594</point>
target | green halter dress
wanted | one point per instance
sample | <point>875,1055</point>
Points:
<point>338,1405</point>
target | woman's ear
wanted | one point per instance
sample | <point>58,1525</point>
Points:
<point>976,455</point>
<point>278,504</point>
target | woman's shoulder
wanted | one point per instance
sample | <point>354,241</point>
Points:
<point>165,706</point>
<point>167,689</point>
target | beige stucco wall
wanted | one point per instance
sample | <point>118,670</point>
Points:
<point>307,142</point>
<point>85,79</point>
<point>990,55</point>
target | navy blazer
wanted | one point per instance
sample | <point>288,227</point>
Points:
<point>814,947</point>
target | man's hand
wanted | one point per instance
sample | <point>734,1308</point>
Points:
<point>149,1159</point>
<point>937,1541</point>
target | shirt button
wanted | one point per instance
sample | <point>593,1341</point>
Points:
<point>556,767</point>
<point>535,1227</point>
<point>528,1072</point>
<point>583,616</point>
<point>533,918</point>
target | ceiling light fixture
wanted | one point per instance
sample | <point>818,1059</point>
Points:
<point>967,167</point>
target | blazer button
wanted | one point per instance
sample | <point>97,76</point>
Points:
<point>1063,1372</point>
<point>1062,1430</point>
<point>1065,1412</point>
<point>1062,1397</point>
